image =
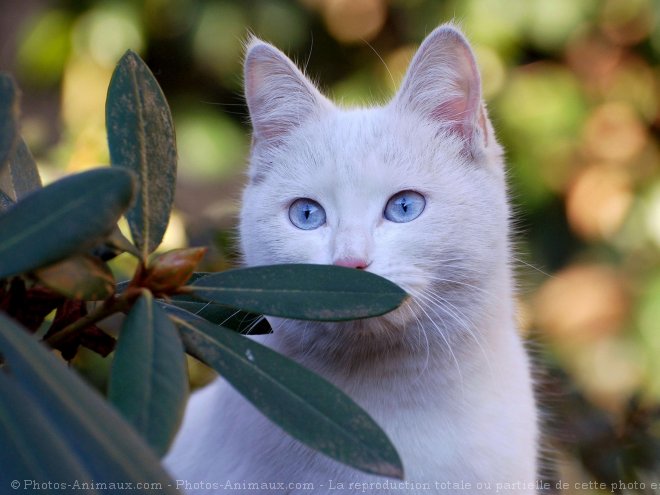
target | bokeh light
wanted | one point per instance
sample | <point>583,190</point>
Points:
<point>354,20</point>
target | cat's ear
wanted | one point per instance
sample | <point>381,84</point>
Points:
<point>443,85</point>
<point>279,96</point>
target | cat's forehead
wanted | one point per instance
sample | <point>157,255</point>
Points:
<point>358,153</point>
<point>366,141</point>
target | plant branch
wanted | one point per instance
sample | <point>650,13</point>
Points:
<point>109,307</point>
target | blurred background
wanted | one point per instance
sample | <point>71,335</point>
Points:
<point>572,87</point>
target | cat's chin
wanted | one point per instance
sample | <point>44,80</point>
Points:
<point>364,338</point>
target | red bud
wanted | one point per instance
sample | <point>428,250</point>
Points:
<point>169,271</point>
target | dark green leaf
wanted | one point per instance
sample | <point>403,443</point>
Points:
<point>101,442</point>
<point>234,319</point>
<point>114,245</point>
<point>6,186</point>
<point>305,292</point>
<point>24,172</point>
<point>9,96</point>
<point>141,138</point>
<point>148,381</point>
<point>303,404</point>
<point>33,450</point>
<point>5,202</point>
<point>20,176</point>
<point>69,216</point>
<point>121,243</point>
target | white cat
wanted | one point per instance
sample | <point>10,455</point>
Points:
<point>415,192</point>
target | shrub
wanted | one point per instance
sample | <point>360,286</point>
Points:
<point>55,242</point>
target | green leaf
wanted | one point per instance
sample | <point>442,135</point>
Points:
<point>141,138</point>
<point>80,277</point>
<point>5,202</point>
<point>114,245</point>
<point>305,292</point>
<point>9,96</point>
<point>20,177</point>
<point>69,216</point>
<point>234,319</point>
<point>118,241</point>
<point>33,449</point>
<point>24,172</point>
<point>7,187</point>
<point>102,443</point>
<point>148,379</point>
<point>303,404</point>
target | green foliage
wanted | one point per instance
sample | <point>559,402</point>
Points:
<point>55,242</point>
<point>74,433</point>
<point>67,217</point>
<point>23,171</point>
<point>304,292</point>
<point>584,177</point>
<point>141,138</point>
<point>300,402</point>
<point>237,320</point>
<point>8,117</point>
<point>148,381</point>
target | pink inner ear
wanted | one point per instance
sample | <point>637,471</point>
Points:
<point>455,115</point>
<point>458,116</point>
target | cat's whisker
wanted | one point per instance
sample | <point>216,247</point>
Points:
<point>382,60</point>
<point>435,300</point>
<point>226,319</point>
<point>447,343</point>
<point>529,265</point>
<point>254,324</point>
<point>463,321</point>
<point>427,347</point>
<point>280,324</point>
<point>202,308</point>
<point>309,55</point>
<point>449,308</point>
<point>302,338</point>
<point>463,284</point>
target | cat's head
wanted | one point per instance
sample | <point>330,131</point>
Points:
<point>412,191</point>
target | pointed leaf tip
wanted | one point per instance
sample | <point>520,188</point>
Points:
<point>23,170</point>
<point>66,217</point>
<point>141,138</point>
<point>305,292</point>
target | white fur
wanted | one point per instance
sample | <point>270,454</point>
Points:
<point>445,375</point>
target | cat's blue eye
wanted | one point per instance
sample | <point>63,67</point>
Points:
<point>404,206</point>
<point>306,214</point>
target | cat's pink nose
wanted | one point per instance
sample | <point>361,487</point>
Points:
<point>358,263</point>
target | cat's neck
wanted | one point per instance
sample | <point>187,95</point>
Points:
<point>409,353</point>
